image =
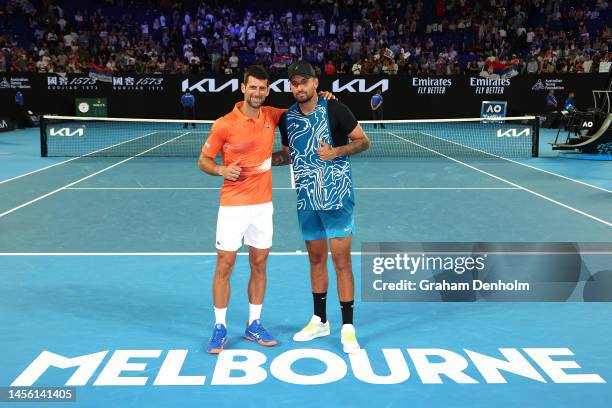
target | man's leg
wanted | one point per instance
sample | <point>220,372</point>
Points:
<point>313,233</point>
<point>341,256</point>
<point>259,238</point>
<point>231,225</point>
<point>221,293</point>
<point>339,226</point>
<point>192,115</point>
<point>258,259</point>
<point>221,281</point>
<point>317,256</point>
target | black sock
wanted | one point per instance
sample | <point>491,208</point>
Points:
<point>347,311</point>
<point>319,305</point>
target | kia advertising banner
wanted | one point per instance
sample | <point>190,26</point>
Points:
<point>158,96</point>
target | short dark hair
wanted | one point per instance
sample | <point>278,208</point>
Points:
<point>256,71</point>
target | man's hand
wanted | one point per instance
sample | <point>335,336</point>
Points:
<point>281,158</point>
<point>327,95</point>
<point>231,172</point>
<point>326,152</point>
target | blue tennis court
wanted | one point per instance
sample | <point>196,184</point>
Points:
<point>115,256</point>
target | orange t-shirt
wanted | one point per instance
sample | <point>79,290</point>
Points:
<point>251,141</point>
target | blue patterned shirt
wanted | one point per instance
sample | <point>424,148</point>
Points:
<point>320,185</point>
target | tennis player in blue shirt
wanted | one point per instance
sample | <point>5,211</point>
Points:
<point>318,137</point>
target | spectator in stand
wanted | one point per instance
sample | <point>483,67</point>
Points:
<point>234,62</point>
<point>568,37</point>
<point>533,67</point>
<point>356,68</point>
<point>330,68</point>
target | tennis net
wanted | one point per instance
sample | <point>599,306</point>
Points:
<point>123,137</point>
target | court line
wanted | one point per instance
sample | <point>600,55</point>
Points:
<point>87,177</point>
<point>520,164</point>
<point>292,175</point>
<point>290,188</point>
<point>75,158</point>
<point>609,224</point>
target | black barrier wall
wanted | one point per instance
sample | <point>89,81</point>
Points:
<point>151,96</point>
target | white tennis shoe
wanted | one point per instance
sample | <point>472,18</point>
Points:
<point>348,339</point>
<point>312,330</point>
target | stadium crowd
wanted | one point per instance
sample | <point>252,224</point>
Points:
<point>491,38</point>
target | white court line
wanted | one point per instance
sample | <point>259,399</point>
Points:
<point>609,224</point>
<point>519,163</point>
<point>88,177</point>
<point>292,176</point>
<point>290,188</point>
<point>75,158</point>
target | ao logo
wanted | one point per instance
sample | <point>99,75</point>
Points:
<point>587,124</point>
<point>494,109</point>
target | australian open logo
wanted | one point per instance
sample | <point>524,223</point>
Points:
<point>4,83</point>
<point>432,86</point>
<point>488,86</point>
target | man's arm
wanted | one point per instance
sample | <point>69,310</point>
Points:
<point>282,157</point>
<point>359,143</point>
<point>209,166</point>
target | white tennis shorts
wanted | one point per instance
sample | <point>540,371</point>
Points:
<point>253,223</point>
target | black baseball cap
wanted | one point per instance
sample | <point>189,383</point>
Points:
<point>302,68</point>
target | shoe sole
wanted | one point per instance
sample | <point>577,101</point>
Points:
<point>217,350</point>
<point>323,334</point>
<point>261,342</point>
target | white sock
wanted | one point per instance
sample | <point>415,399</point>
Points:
<point>254,312</point>
<point>220,316</point>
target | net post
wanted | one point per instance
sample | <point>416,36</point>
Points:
<point>43,136</point>
<point>535,142</point>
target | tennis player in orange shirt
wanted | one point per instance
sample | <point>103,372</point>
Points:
<point>245,138</point>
